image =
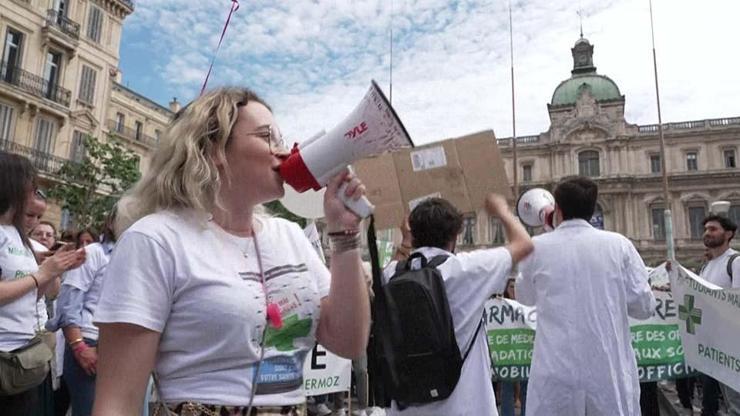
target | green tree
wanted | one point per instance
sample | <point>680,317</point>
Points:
<point>89,188</point>
<point>277,209</point>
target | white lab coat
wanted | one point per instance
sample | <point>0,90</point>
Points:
<point>585,283</point>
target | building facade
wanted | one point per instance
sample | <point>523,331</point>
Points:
<point>59,81</point>
<point>589,136</point>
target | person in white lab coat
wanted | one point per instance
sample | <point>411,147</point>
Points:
<point>585,283</point>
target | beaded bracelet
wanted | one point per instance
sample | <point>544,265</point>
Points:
<point>342,243</point>
<point>342,233</point>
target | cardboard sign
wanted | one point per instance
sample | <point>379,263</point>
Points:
<point>462,170</point>
<point>324,372</point>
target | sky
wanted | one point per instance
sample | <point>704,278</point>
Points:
<point>313,60</point>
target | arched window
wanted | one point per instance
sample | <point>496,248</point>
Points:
<point>697,212</point>
<point>468,231</point>
<point>496,231</point>
<point>657,221</point>
<point>734,213</point>
<point>588,163</point>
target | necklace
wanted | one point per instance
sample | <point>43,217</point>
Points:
<point>242,243</point>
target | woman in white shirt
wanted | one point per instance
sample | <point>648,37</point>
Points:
<point>78,299</point>
<point>22,280</point>
<point>223,303</point>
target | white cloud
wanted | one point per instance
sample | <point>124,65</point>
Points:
<point>313,60</point>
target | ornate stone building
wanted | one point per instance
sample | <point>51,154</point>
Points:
<point>59,81</point>
<point>589,136</point>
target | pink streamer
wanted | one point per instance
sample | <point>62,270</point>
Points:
<point>234,7</point>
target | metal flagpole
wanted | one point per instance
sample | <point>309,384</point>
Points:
<point>390,84</point>
<point>668,217</point>
<point>513,109</point>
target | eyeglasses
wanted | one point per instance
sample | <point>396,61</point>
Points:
<point>40,194</point>
<point>272,136</point>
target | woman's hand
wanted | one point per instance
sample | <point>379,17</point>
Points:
<point>60,262</point>
<point>338,216</point>
<point>87,358</point>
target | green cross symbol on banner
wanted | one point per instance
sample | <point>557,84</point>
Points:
<point>688,313</point>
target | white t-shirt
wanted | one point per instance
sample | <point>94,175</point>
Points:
<point>716,270</point>
<point>89,279</point>
<point>470,279</point>
<point>200,287</point>
<point>18,319</point>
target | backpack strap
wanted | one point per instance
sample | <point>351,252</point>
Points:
<point>437,260</point>
<point>472,342</point>
<point>729,264</point>
<point>405,265</point>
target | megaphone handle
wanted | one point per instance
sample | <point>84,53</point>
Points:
<point>362,207</point>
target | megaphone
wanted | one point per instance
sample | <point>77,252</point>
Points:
<point>536,207</point>
<point>720,208</point>
<point>371,129</point>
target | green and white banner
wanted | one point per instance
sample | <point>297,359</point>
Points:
<point>385,252</point>
<point>510,328</point>
<point>710,325</point>
<point>657,343</point>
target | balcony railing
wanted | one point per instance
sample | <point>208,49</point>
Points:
<point>696,124</point>
<point>717,122</point>
<point>63,23</point>
<point>131,134</point>
<point>128,3</point>
<point>42,161</point>
<point>33,84</point>
<point>519,140</point>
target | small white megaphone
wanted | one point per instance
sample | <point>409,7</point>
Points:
<point>371,129</point>
<point>720,208</point>
<point>536,207</point>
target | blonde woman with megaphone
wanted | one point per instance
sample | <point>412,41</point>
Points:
<point>220,302</point>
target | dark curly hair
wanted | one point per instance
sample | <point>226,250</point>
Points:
<point>434,223</point>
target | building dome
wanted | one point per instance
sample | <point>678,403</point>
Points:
<point>602,89</point>
<point>584,76</point>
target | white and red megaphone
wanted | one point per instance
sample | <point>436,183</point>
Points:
<point>371,129</point>
<point>536,207</point>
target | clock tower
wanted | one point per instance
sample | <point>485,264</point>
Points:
<point>583,53</point>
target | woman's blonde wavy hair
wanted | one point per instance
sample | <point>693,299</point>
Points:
<point>183,172</point>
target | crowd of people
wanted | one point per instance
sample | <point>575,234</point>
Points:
<point>192,287</point>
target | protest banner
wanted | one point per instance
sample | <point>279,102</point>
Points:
<point>510,327</point>
<point>324,372</point>
<point>385,252</point>
<point>511,330</point>
<point>709,325</point>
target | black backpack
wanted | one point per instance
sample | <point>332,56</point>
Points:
<point>729,265</point>
<point>419,359</point>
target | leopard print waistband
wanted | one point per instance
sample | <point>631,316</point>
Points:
<point>200,409</point>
